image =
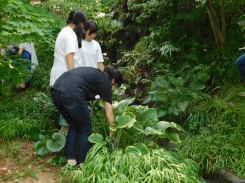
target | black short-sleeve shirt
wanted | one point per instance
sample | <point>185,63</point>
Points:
<point>84,83</point>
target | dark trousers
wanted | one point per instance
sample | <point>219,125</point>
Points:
<point>77,115</point>
<point>240,63</point>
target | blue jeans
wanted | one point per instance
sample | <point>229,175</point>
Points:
<point>77,115</point>
<point>240,63</point>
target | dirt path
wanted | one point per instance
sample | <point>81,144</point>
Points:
<point>20,164</point>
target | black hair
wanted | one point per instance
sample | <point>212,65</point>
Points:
<point>91,26</point>
<point>113,73</point>
<point>77,17</point>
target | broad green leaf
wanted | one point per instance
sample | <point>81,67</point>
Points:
<point>147,99</point>
<point>139,128</point>
<point>182,105</point>
<point>149,123</point>
<point>154,90</point>
<point>57,142</point>
<point>133,150</point>
<point>152,131</point>
<point>197,87</point>
<point>172,136</point>
<point>123,104</point>
<point>142,147</point>
<point>97,139</point>
<point>178,82</point>
<point>41,148</point>
<point>163,125</point>
<point>149,113</point>
<point>174,110</point>
<point>161,97</point>
<point>150,144</point>
<point>124,121</point>
<point>161,111</point>
<point>162,82</point>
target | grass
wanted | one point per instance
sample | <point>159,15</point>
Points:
<point>219,145</point>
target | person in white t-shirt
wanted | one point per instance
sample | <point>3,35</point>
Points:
<point>66,55</point>
<point>91,54</point>
<point>67,43</point>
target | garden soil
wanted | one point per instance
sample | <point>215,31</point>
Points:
<point>20,164</point>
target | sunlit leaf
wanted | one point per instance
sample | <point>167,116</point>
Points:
<point>96,139</point>
<point>133,150</point>
<point>124,121</point>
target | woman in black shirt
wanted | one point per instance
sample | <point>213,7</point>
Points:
<point>70,93</point>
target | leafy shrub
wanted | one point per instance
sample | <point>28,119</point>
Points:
<point>29,109</point>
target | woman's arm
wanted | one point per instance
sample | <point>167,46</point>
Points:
<point>110,117</point>
<point>21,49</point>
<point>70,61</point>
<point>101,66</point>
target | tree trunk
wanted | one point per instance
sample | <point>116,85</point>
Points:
<point>214,21</point>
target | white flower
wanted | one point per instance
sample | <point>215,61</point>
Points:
<point>97,97</point>
<point>100,15</point>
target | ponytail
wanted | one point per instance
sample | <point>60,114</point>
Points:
<point>77,17</point>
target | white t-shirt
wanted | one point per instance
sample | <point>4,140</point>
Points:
<point>91,54</point>
<point>66,42</point>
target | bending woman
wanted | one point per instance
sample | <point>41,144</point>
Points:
<point>69,94</point>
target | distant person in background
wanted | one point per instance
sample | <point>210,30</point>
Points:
<point>91,54</point>
<point>27,51</point>
<point>68,41</point>
<point>240,63</point>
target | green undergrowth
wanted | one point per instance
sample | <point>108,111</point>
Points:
<point>118,166</point>
<point>218,145</point>
<point>21,112</point>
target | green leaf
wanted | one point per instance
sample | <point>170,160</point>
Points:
<point>163,125</point>
<point>197,87</point>
<point>41,148</point>
<point>149,113</point>
<point>152,131</point>
<point>139,128</point>
<point>124,121</point>
<point>133,150</point>
<point>161,97</point>
<point>174,110</point>
<point>120,106</point>
<point>162,82</point>
<point>182,105</point>
<point>96,139</point>
<point>57,142</point>
<point>147,99</point>
<point>150,144</point>
<point>161,111</point>
<point>172,136</point>
<point>142,147</point>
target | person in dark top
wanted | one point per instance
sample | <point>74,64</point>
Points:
<point>70,93</point>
